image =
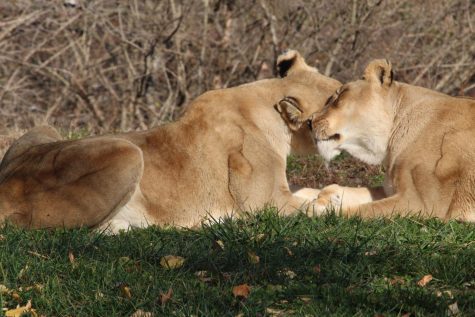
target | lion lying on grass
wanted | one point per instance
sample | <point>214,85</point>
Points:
<point>227,153</point>
<point>423,138</point>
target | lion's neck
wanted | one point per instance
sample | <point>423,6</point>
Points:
<point>409,118</point>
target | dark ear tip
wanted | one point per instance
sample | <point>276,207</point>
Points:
<point>284,66</point>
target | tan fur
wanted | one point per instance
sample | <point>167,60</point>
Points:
<point>423,138</point>
<point>226,154</point>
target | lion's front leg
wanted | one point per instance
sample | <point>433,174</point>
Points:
<point>342,197</point>
<point>395,205</point>
<point>307,193</point>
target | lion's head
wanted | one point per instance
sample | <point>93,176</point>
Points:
<point>304,84</point>
<point>357,118</point>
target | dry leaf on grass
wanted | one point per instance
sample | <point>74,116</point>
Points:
<point>16,297</point>
<point>253,258</point>
<point>453,309</point>
<point>203,276</point>
<point>71,257</point>
<point>289,252</point>
<point>165,297</point>
<point>172,262</point>
<point>396,280</point>
<point>259,237</point>
<point>36,287</point>
<point>242,290</point>
<point>288,273</point>
<point>425,280</point>
<point>305,299</point>
<point>218,244</point>
<point>317,269</point>
<point>141,313</point>
<point>274,312</point>
<point>125,290</point>
<point>17,312</point>
<point>4,289</point>
<point>446,293</point>
<point>23,272</point>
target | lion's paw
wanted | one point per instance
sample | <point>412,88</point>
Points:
<point>331,196</point>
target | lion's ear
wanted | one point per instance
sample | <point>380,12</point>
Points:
<point>291,61</point>
<point>289,109</point>
<point>379,71</point>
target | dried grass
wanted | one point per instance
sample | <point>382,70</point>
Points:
<point>120,65</point>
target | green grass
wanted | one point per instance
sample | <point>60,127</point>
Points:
<point>343,267</point>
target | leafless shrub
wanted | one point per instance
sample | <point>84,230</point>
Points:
<point>120,65</point>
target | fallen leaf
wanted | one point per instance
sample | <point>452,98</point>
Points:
<point>259,237</point>
<point>19,311</point>
<point>37,288</point>
<point>125,290</point>
<point>141,313</point>
<point>16,297</point>
<point>253,258</point>
<point>124,260</point>
<point>396,280</point>
<point>317,269</point>
<point>453,309</point>
<point>99,295</point>
<point>446,293</point>
<point>165,297</point>
<point>288,273</point>
<point>370,253</point>
<point>4,289</point>
<point>289,252</point>
<point>203,276</point>
<point>242,290</point>
<point>274,312</point>
<point>305,299</point>
<point>425,280</point>
<point>71,257</point>
<point>172,262</point>
<point>23,272</point>
<point>219,245</point>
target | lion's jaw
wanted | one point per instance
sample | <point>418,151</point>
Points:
<point>370,146</point>
<point>365,136</point>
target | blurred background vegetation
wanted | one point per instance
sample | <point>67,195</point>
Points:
<point>103,65</point>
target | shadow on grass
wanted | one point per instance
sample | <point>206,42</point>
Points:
<point>294,265</point>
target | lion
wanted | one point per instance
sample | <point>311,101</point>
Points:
<point>420,136</point>
<point>225,155</point>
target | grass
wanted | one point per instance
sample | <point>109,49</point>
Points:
<point>311,172</point>
<point>328,266</point>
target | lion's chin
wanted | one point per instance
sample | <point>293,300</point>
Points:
<point>328,149</point>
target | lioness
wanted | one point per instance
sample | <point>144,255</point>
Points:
<point>227,153</point>
<point>424,139</point>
